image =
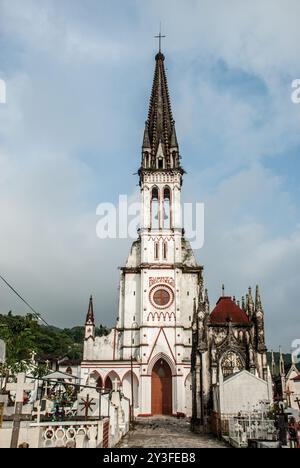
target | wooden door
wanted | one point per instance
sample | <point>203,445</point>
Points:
<point>161,391</point>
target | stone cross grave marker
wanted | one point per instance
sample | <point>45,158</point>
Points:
<point>288,396</point>
<point>19,387</point>
<point>38,413</point>
<point>116,385</point>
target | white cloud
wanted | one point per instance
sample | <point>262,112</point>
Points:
<point>75,89</point>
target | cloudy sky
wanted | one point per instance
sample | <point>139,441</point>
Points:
<point>78,79</point>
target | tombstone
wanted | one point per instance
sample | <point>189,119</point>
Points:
<point>282,425</point>
<point>19,387</point>
<point>87,405</point>
<point>39,411</point>
<point>2,351</point>
<point>92,435</point>
<point>115,395</point>
<point>88,401</point>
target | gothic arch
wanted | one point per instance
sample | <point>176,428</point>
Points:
<point>126,387</point>
<point>109,380</point>
<point>167,207</point>
<point>98,378</point>
<point>149,316</point>
<point>161,388</point>
<point>146,159</point>
<point>155,212</point>
<point>164,357</point>
<point>231,362</point>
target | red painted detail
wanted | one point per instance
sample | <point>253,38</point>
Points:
<point>227,310</point>
<point>160,288</point>
<point>161,331</point>
<point>161,388</point>
<point>105,434</point>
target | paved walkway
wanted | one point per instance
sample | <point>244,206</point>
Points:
<point>167,432</point>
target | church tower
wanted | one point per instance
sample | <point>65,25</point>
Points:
<point>160,282</point>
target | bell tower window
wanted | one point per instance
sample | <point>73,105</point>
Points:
<point>160,163</point>
<point>174,159</point>
<point>154,209</point>
<point>167,208</point>
<point>146,160</point>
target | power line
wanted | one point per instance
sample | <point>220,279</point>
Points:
<point>37,315</point>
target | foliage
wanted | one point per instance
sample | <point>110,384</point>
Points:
<point>24,334</point>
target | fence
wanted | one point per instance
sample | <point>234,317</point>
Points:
<point>88,434</point>
<point>243,429</point>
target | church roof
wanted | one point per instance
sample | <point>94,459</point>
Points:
<point>227,310</point>
<point>160,126</point>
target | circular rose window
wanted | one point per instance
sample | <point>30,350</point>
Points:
<point>161,296</point>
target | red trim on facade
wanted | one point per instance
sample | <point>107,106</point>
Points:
<point>157,287</point>
<point>161,330</point>
<point>169,345</point>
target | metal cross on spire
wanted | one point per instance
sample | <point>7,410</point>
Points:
<point>159,37</point>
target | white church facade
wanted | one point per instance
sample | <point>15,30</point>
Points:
<point>149,350</point>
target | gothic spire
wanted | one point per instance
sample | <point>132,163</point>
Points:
<point>250,304</point>
<point>273,365</point>
<point>258,305</point>
<point>160,127</point>
<point>281,363</point>
<point>90,314</point>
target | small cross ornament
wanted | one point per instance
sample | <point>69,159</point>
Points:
<point>38,413</point>
<point>87,405</point>
<point>116,385</point>
<point>20,387</point>
<point>159,37</point>
<point>288,395</point>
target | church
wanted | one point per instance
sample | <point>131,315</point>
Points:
<point>159,283</point>
<point>167,352</point>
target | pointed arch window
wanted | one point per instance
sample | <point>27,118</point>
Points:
<point>160,163</point>
<point>146,159</point>
<point>165,250</point>
<point>154,208</point>
<point>167,208</point>
<point>156,251</point>
<point>174,159</point>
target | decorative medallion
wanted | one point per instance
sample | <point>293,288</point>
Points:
<point>161,296</point>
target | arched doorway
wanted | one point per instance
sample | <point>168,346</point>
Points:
<point>161,391</point>
<point>110,380</point>
<point>126,385</point>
